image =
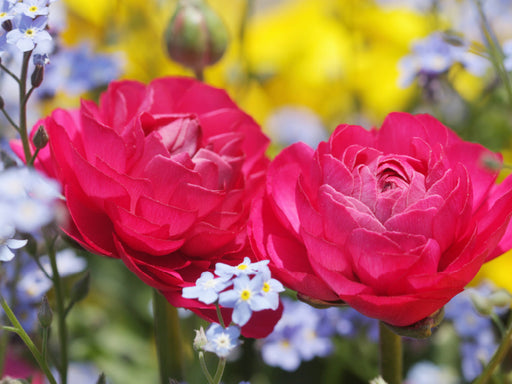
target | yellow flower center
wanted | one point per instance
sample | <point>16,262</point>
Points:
<point>245,295</point>
<point>29,32</point>
<point>266,287</point>
<point>33,8</point>
<point>3,14</point>
<point>242,267</point>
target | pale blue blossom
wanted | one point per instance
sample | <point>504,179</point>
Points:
<point>426,372</point>
<point>291,124</point>
<point>28,33</point>
<point>7,243</point>
<point>245,297</point>
<point>207,288</point>
<point>32,8</point>
<point>222,341</point>
<point>271,289</point>
<point>244,268</point>
<point>28,198</point>
<point>434,55</point>
<point>297,337</point>
<point>25,283</point>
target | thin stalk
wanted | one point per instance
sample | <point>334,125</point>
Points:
<point>495,51</point>
<point>168,339</point>
<point>204,368</point>
<point>219,315</point>
<point>199,74</point>
<point>220,370</point>
<point>23,107</point>
<point>10,120</point>
<point>61,314</point>
<point>44,351</point>
<point>3,348</point>
<point>6,70</point>
<point>498,356</point>
<point>33,158</point>
<point>391,355</point>
<point>18,329</point>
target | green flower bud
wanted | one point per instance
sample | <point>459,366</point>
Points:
<point>482,304</point>
<point>80,289</point>
<point>45,314</point>
<point>421,329</point>
<point>196,37</point>
<point>500,298</point>
<point>40,138</point>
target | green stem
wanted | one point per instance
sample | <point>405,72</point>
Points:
<point>168,339</point>
<point>23,107</point>
<point>204,368</point>
<point>497,358</point>
<point>3,349</point>
<point>46,331</point>
<point>18,329</point>
<point>219,315</point>
<point>495,51</point>
<point>61,313</point>
<point>10,120</point>
<point>199,74</point>
<point>390,355</point>
<point>220,370</point>
<point>6,70</point>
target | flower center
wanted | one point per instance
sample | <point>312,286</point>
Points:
<point>30,32</point>
<point>266,287</point>
<point>33,8</point>
<point>391,174</point>
<point>223,341</point>
<point>245,295</point>
<point>242,267</point>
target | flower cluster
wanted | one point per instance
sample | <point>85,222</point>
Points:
<point>246,287</point>
<point>24,23</point>
<point>27,202</point>
<point>24,282</point>
<point>435,55</point>
<point>305,332</point>
<point>469,312</point>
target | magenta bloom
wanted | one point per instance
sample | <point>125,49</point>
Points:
<point>161,176</point>
<point>394,221</point>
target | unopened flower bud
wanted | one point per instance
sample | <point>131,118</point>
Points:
<point>481,303</point>
<point>196,36</point>
<point>80,289</point>
<point>40,137</point>
<point>200,340</point>
<point>37,76</point>
<point>500,298</point>
<point>45,314</point>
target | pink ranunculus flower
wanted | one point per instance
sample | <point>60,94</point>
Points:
<point>161,176</point>
<point>394,221</point>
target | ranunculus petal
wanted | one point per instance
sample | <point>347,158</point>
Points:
<point>282,180</point>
